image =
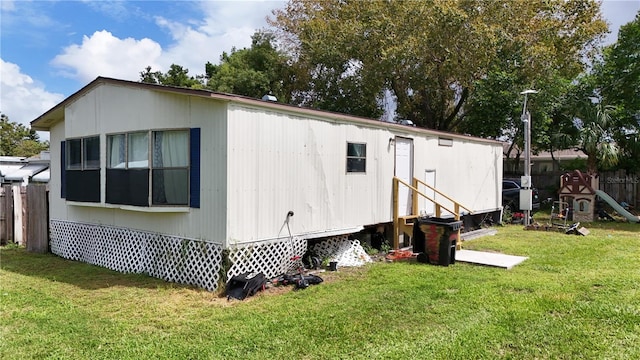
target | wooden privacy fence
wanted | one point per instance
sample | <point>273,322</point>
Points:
<point>24,216</point>
<point>618,184</point>
<point>621,186</point>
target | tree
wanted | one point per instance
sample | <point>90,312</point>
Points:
<point>151,77</point>
<point>179,76</point>
<point>255,71</point>
<point>431,55</point>
<point>618,74</point>
<point>593,134</point>
<point>629,144</point>
<point>616,79</point>
<point>17,140</point>
<point>493,112</point>
<point>595,137</point>
<point>176,76</point>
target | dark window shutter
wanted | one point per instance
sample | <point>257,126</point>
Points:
<point>63,170</point>
<point>194,169</point>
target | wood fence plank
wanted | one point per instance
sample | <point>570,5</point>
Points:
<point>3,218</point>
<point>37,219</point>
<point>18,215</point>
<point>6,227</point>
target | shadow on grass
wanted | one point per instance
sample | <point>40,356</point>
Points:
<point>86,276</point>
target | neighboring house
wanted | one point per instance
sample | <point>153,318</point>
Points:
<point>541,162</point>
<point>176,182</point>
<point>15,174</point>
<point>10,164</point>
<point>20,170</point>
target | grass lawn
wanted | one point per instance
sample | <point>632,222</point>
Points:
<point>575,297</point>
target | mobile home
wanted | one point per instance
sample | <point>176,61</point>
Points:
<point>173,182</point>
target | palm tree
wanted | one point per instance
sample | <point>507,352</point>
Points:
<point>595,135</point>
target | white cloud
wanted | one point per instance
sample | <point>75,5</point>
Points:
<point>21,98</point>
<point>191,49</point>
<point>115,9</point>
<point>224,25</point>
<point>103,54</point>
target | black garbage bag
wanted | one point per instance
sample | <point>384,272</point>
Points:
<point>244,285</point>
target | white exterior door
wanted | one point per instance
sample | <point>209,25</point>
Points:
<point>427,207</point>
<point>404,171</point>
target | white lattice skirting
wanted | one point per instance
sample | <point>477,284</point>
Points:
<point>272,257</point>
<point>189,261</point>
<point>172,258</point>
<point>342,250</point>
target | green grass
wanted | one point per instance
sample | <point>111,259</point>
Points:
<point>575,297</point>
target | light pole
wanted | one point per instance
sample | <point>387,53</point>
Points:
<point>526,192</point>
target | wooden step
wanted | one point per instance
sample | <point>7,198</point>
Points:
<point>406,224</point>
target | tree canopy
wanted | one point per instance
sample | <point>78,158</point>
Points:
<point>595,136</point>
<point>256,71</point>
<point>18,140</point>
<point>432,55</point>
<point>175,76</point>
<point>453,65</point>
<point>618,74</point>
<point>617,81</point>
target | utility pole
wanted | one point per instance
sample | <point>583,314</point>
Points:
<point>526,196</point>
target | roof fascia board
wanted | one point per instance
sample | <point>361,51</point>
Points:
<point>44,122</point>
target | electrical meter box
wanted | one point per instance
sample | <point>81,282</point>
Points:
<point>526,197</point>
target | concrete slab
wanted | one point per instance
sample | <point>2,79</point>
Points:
<point>489,258</point>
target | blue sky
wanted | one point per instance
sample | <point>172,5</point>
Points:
<point>51,49</point>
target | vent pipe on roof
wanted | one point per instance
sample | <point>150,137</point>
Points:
<point>269,97</point>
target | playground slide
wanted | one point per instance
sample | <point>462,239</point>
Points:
<point>619,209</point>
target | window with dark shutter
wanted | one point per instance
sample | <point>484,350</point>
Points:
<point>81,170</point>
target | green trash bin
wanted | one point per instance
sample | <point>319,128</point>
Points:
<point>435,240</point>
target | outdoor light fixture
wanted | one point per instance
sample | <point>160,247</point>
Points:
<point>524,107</point>
<point>392,141</point>
<point>526,192</point>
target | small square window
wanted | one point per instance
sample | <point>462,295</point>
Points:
<point>356,157</point>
